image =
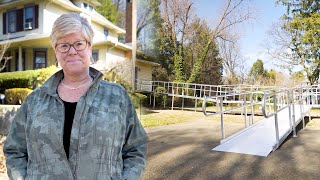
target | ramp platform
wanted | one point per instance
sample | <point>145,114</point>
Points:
<point>260,138</point>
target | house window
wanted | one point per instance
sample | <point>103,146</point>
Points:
<point>106,32</point>
<point>20,19</point>
<point>87,6</point>
<point>40,58</point>
<point>12,21</point>
<point>90,8</point>
<point>121,39</point>
<point>95,55</point>
<point>29,17</point>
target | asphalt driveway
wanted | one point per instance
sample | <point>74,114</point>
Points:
<point>183,151</point>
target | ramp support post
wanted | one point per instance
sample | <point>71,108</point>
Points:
<point>293,115</point>
<point>276,119</point>
<point>221,117</point>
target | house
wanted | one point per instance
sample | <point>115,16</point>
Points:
<point>27,25</point>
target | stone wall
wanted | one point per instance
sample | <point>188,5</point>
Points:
<point>6,116</point>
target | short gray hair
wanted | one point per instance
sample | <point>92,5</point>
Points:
<point>71,23</point>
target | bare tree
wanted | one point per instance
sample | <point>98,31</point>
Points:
<point>287,53</point>
<point>177,31</point>
<point>4,59</point>
<point>176,15</point>
<point>279,44</point>
<point>120,10</point>
<point>234,13</point>
<point>232,60</point>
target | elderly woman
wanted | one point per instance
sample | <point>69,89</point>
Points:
<point>76,126</point>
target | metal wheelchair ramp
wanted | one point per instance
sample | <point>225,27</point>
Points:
<point>260,138</point>
<point>282,109</point>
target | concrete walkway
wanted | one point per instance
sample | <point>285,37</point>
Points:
<point>183,151</point>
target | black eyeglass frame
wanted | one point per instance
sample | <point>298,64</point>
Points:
<point>86,42</point>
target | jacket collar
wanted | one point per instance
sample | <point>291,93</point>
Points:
<point>51,85</point>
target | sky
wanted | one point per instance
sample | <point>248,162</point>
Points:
<point>253,34</point>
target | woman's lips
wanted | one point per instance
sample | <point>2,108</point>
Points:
<point>75,61</point>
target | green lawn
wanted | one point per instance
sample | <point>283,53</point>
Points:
<point>156,117</point>
<point>151,117</point>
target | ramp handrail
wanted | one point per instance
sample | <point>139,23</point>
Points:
<point>289,97</point>
<point>245,103</point>
<point>272,102</point>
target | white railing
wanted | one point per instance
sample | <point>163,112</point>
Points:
<point>272,103</point>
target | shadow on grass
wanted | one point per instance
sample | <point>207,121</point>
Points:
<point>145,111</point>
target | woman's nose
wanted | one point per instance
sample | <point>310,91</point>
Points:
<point>72,50</point>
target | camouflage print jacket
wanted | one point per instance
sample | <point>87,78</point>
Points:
<point>107,140</point>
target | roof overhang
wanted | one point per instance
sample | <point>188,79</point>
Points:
<point>117,45</point>
<point>11,3</point>
<point>98,18</point>
<point>25,38</point>
<point>148,62</point>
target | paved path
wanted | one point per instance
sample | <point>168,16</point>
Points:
<point>183,151</point>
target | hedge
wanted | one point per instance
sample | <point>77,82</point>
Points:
<point>18,79</point>
<point>137,98</point>
<point>16,96</point>
<point>25,79</point>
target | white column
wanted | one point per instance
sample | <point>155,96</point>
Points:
<point>20,59</point>
<point>134,41</point>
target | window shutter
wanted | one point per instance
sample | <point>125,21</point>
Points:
<point>20,20</point>
<point>4,20</point>
<point>36,13</point>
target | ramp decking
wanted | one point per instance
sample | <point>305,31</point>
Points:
<point>260,138</point>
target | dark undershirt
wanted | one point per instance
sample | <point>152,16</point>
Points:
<point>70,108</point>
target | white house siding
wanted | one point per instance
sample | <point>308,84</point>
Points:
<point>50,13</point>
<point>98,33</point>
<point>144,76</point>
<point>51,56</point>
<point>100,37</point>
<point>144,71</point>
<point>116,59</point>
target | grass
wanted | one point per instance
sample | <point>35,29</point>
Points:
<point>315,111</point>
<point>151,118</point>
<point>157,117</point>
<point>314,123</point>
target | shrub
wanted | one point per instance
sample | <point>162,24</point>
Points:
<point>137,98</point>
<point>18,79</point>
<point>16,95</point>
<point>208,103</point>
<point>161,98</point>
<point>44,74</point>
<point>25,79</point>
<point>112,76</point>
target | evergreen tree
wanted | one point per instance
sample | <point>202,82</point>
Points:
<point>108,10</point>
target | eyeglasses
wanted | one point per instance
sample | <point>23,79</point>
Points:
<point>78,46</point>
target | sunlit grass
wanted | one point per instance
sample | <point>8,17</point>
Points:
<point>149,117</point>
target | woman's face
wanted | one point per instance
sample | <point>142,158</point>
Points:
<point>73,61</point>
